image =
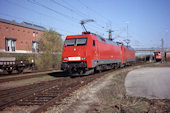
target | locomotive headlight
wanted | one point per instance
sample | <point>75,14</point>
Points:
<point>65,58</point>
<point>83,58</point>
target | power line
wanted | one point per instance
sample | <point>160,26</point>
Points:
<point>93,10</point>
<point>39,4</point>
<point>56,12</point>
<point>34,11</point>
<point>29,9</point>
<point>70,9</point>
<point>75,11</point>
<point>48,8</point>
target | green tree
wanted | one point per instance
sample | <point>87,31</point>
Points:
<point>50,44</point>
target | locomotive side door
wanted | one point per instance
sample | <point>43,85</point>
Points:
<point>95,49</point>
<point>123,54</point>
<point>95,53</point>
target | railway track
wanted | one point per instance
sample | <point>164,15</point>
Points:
<point>25,76</point>
<point>45,94</point>
<point>14,93</point>
<point>2,74</point>
<point>21,78</point>
<point>10,96</point>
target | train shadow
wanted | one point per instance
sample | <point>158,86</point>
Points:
<point>63,74</point>
<point>58,74</point>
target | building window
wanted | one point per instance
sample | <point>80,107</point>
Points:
<point>10,44</point>
<point>35,34</point>
<point>35,46</point>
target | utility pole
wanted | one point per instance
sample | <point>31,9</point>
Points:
<point>110,34</point>
<point>127,40</point>
<point>162,44</point>
<point>163,54</point>
<point>166,38</point>
<point>127,29</point>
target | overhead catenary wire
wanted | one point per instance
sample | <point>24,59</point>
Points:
<point>95,12</point>
<point>56,12</point>
<point>70,9</point>
<point>94,28</point>
<point>81,14</point>
<point>34,11</point>
<point>62,14</point>
<point>31,9</point>
<point>77,10</point>
<point>105,20</point>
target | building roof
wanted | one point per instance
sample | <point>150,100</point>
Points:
<point>24,24</point>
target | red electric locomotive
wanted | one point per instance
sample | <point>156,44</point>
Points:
<point>88,52</point>
<point>158,56</point>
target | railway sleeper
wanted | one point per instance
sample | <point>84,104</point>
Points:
<point>34,101</point>
<point>46,96</point>
<point>30,104</point>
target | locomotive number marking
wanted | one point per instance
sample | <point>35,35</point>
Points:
<point>73,58</point>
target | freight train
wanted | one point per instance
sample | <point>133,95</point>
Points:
<point>86,53</point>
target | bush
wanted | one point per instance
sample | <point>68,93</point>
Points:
<point>50,44</point>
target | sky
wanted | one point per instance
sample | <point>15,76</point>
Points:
<point>143,22</point>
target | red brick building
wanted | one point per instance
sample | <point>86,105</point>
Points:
<point>19,37</point>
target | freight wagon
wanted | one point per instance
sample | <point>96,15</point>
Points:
<point>10,64</point>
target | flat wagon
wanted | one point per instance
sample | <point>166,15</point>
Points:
<point>10,64</point>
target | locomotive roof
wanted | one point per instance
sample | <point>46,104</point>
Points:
<point>102,39</point>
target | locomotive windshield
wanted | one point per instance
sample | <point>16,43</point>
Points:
<point>76,42</point>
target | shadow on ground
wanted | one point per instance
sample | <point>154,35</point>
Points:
<point>58,74</point>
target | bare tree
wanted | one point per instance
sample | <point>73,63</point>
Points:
<point>50,45</point>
